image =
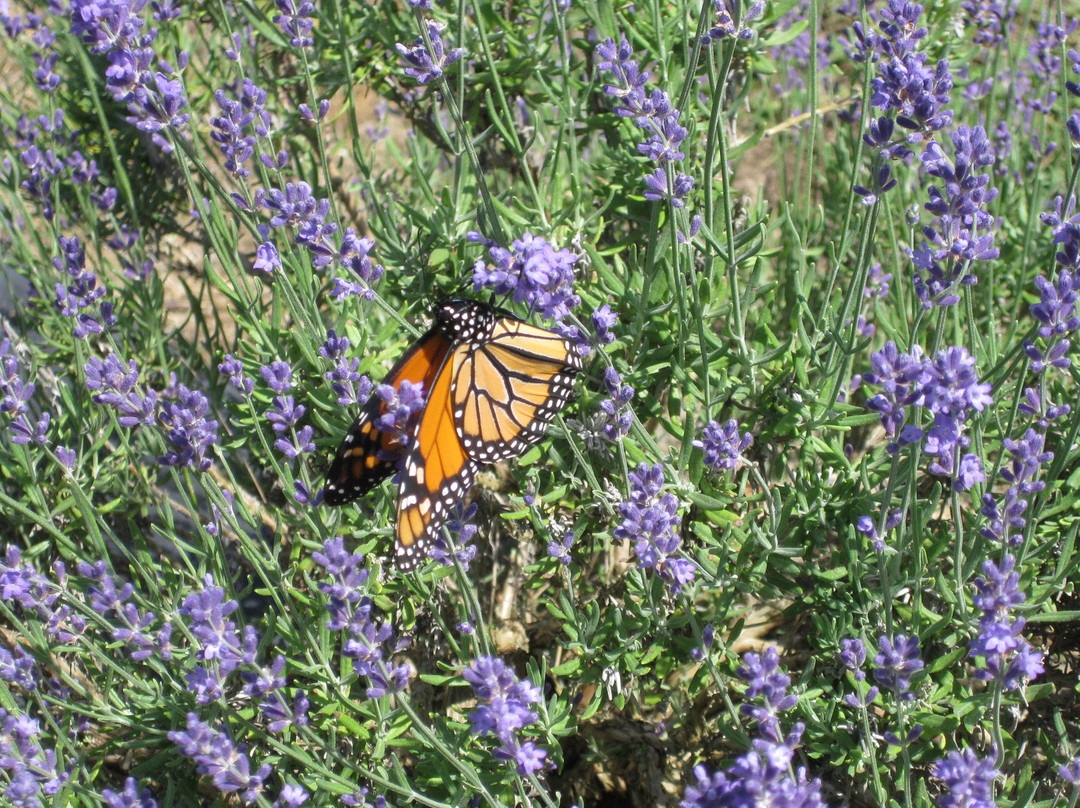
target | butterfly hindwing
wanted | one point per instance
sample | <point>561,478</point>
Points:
<point>366,455</point>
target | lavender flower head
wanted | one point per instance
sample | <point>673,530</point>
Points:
<point>532,270</point>
<point>762,674</point>
<point>348,579</point>
<point>895,663</point>
<point>616,408</point>
<point>651,522</point>
<point>425,66</point>
<point>15,399</point>
<point>968,780</point>
<point>722,445</point>
<point>296,21</point>
<point>725,26</point>
<point>190,432</point>
<point>761,777</point>
<point>350,386</point>
<point>962,233</point>
<point>653,114</point>
<point>130,797</point>
<point>1008,657</point>
<point>463,530</point>
<point>217,756</point>
<point>78,297</point>
<point>354,258</point>
<point>504,709</point>
<point>402,405</point>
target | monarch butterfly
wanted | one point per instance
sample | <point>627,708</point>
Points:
<point>493,383</point>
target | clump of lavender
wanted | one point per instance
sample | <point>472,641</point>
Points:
<point>725,25</point>
<point>426,65</point>
<point>654,114</point>
<point>912,95</point>
<point>18,668</point>
<point>234,369</point>
<point>1056,314</point>
<point>241,120</point>
<point>503,710</point>
<point>852,657</point>
<point>402,405</point>
<point>116,605</point>
<point>154,100</point>
<point>990,19</point>
<point>34,594</point>
<point>763,677</point>
<point>722,445</point>
<point>532,270</point>
<point>215,755</point>
<point>30,770</point>
<point>220,646</point>
<point>1008,658</point>
<point>560,548</point>
<point>905,86</point>
<point>764,775</point>
<point>296,21</point>
<point>651,522</point>
<point>297,208</point>
<point>130,797</point>
<point>286,413</point>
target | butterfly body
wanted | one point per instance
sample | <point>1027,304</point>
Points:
<point>492,383</point>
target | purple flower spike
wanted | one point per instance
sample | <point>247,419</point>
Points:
<point>968,780</point>
<point>463,531</point>
<point>216,755</point>
<point>603,320</point>
<point>427,67</point>
<point>532,270</point>
<point>353,257</point>
<point>761,672</point>
<point>78,298</point>
<point>762,776</point>
<point>725,25</point>
<point>722,445</point>
<point>560,549</point>
<point>504,709</point>
<point>114,385</point>
<point>234,369</point>
<point>401,406</point>
<point>130,797</point>
<point>296,21</point>
<point>651,522</point>
<point>897,661</point>
<point>188,429</point>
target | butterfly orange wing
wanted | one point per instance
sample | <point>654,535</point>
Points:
<point>361,460</point>
<point>512,386</point>
<point>438,473</point>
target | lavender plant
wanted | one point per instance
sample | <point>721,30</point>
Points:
<point>805,535</point>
